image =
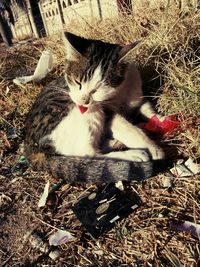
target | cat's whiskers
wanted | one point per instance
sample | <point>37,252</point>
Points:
<point>109,103</point>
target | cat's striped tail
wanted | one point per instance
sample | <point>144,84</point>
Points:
<point>87,169</point>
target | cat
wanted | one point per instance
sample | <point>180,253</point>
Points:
<point>68,127</point>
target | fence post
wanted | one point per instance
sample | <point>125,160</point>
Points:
<point>4,32</point>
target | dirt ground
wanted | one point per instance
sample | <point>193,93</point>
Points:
<point>147,237</point>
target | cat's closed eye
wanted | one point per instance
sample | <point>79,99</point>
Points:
<point>93,91</point>
<point>77,82</point>
<point>71,80</point>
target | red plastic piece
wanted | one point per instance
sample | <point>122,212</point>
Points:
<point>154,125</point>
<point>83,109</point>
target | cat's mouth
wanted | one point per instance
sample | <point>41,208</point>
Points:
<point>82,108</point>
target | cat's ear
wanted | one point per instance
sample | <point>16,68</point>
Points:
<point>76,46</point>
<point>125,50</point>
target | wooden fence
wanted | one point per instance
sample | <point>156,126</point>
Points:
<point>46,17</point>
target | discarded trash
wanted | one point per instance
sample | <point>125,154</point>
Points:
<point>21,166</point>
<point>182,168</point>
<point>60,237</point>
<point>120,185</point>
<point>57,186</point>
<point>185,168</point>
<point>55,254</point>
<point>37,242</point>
<point>167,182</point>
<point>102,208</point>
<point>7,90</point>
<point>156,126</point>
<point>186,226</point>
<point>44,66</point>
<point>44,196</point>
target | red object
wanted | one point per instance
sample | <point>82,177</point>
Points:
<point>83,109</point>
<point>154,125</point>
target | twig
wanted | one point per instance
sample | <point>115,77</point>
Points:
<point>6,261</point>
<point>54,227</point>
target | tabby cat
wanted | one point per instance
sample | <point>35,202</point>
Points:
<point>68,127</point>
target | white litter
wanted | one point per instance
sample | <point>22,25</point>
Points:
<point>7,90</point>
<point>60,237</point>
<point>38,243</point>
<point>44,196</point>
<point>185,168</point>
<point>119,185</point>
<point>44,66</point>
<point>192,166</point>
<point>167,182</point>
<point>182,168</point>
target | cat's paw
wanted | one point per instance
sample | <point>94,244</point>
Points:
<point>91,153</point>
<point>156,152</point>
<point>137,155</point>
<point>160,117</point>
<point>88,152</point>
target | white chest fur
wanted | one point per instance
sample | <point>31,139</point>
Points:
<point>78,134</point>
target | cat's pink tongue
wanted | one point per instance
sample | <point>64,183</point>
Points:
<point>83,109</point>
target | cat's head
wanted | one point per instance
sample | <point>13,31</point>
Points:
<point>94,69</point>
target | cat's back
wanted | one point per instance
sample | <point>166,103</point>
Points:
<point>50,107</point>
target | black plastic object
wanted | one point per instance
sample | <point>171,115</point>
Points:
<point>101,209</point>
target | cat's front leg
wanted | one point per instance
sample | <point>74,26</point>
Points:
<point>147,110</point>
<point>133,137</point>
<point>137,155</point>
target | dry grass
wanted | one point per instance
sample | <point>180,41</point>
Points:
<point>168,57</point>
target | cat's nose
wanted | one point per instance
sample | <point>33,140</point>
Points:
<point>86,100</point>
